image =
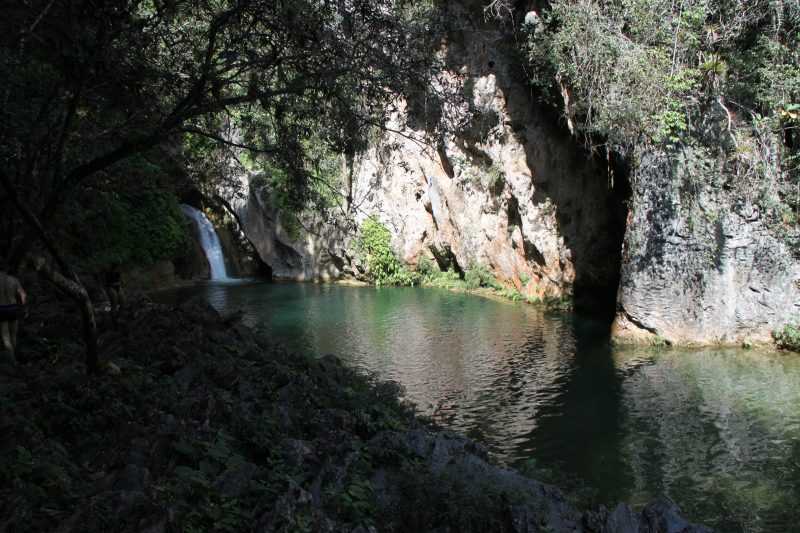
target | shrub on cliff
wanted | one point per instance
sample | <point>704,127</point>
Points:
<point>383,267</point>
<point>426,268</point>
<point>788,338</point>
<point>448,279</point>
<point>643,73</point>
<point>480,276</point>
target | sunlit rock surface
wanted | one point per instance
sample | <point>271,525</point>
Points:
<point>679,258</point>
<point>701,265</point>
<point>509,190</point>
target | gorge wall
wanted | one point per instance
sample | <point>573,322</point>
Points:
<point>701,264</point>
<point>514,192</point>
<point>511,191</point>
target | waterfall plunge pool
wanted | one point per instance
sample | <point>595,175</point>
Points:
<point>717,430</point>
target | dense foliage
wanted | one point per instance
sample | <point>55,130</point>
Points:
<point>721,75</point>
<point>383,267</point>
<point>788,338</point>
<point>90,85</point>
<point>132,229</point>
<point>479,276</point>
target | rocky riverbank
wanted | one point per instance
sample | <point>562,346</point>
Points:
<point>201,424</point>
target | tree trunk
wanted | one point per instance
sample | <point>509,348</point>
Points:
<point>68,282</point>
<point>347,173</point>
<point>349,168</point>
<point>78,293</point>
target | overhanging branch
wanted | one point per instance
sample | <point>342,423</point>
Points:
<point>220,139</point>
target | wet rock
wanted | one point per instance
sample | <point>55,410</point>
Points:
<point>460,464</point>
<point>524,519</point>
<point>463,470</point>
<point>233,318</point>
<point>622,520</point>
<point>331,367</point>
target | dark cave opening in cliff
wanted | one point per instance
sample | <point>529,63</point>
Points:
<point>599,297</point>
<point>590,192</point>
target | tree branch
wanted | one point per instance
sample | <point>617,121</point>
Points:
<point>222,140</point>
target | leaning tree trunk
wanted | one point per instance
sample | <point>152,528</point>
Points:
<point>75,290</point>
<point>68,281</point>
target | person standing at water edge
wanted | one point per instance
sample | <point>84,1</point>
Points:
<point>12,301</point>
<point>112,279</point>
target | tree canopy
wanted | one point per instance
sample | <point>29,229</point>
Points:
<point>92,87</point>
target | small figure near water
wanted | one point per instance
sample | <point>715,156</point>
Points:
<point>112,279</point>
<point>12,308</point>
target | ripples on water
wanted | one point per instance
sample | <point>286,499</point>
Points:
<point>716,430</point>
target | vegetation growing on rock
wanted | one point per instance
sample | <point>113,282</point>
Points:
<point>383,266</point>
<point>479,276</point>
<point>788,337</point>
<point>722,75</point>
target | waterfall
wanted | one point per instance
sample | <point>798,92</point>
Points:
<point>209,241</point>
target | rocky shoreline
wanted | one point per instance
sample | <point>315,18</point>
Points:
<point>202,424</point>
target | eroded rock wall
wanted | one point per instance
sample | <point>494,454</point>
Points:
<point>509,191</point>
<point>700,264</point>
<point>319,247</point>
<point>512,191</point>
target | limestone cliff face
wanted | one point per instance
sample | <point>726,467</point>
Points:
<point>701,265</point>
<point>509,191</point>
<point>512,191</point>
<point>318,249</point>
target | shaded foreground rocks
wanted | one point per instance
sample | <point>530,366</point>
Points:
<point>207,426</point>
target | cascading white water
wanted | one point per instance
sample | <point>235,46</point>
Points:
<point>209,241</point>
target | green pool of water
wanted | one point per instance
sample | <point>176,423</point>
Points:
<point>716,430</point>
